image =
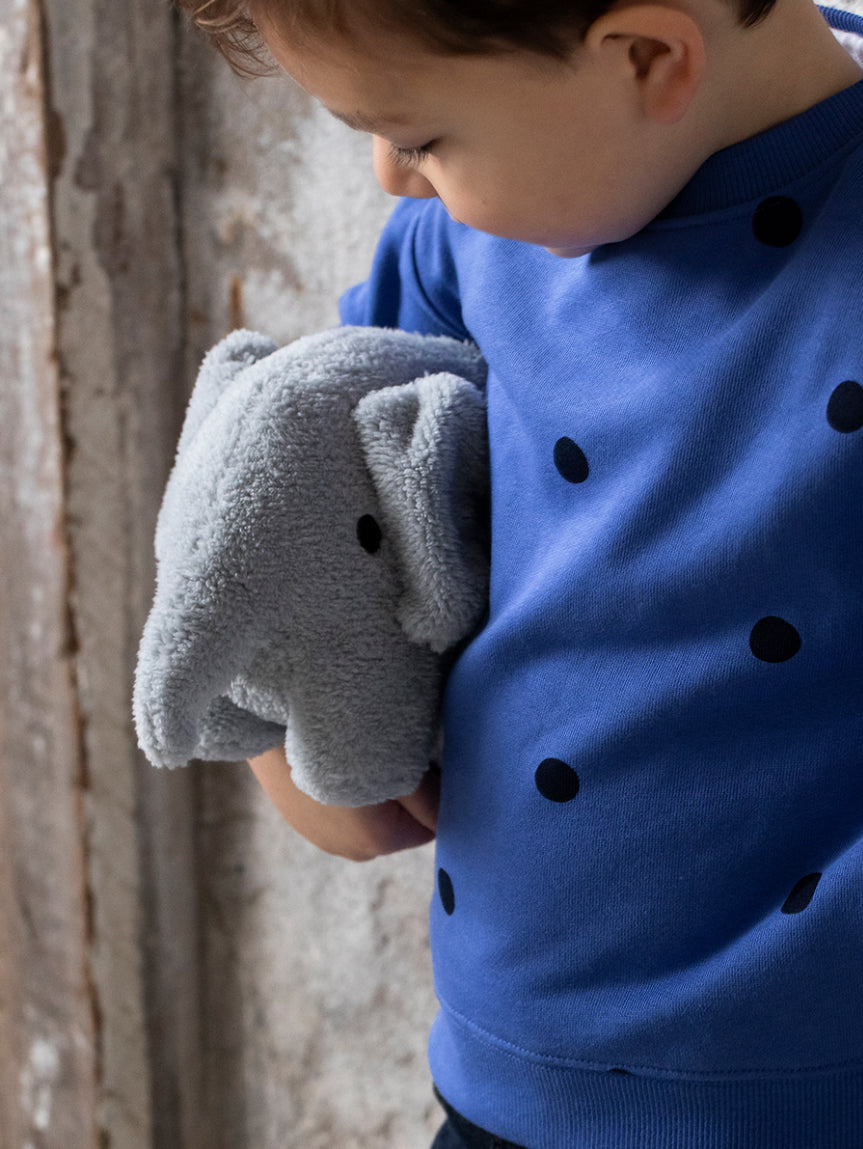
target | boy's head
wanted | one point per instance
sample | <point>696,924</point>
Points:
<point>563,123</point>
<point>549,28</point>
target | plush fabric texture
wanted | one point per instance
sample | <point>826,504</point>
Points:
<point>647,919</point>
<point>322,543</point>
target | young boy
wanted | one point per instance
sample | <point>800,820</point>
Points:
<point>648,926</point>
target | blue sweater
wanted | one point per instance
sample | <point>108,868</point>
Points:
<point>647,930</point>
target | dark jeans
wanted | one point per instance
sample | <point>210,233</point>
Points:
<point>459,1133</point>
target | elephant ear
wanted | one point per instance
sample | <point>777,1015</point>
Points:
<point>425,446</point>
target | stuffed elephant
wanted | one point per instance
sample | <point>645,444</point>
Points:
<point>321,546</point>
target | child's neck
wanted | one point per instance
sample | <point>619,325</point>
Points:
<point>765,75</point>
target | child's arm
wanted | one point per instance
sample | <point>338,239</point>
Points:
<point>359,833</point>
<point>412,283</point>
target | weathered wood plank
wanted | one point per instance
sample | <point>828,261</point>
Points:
<point>120,345</point>
<point>49,1062</point>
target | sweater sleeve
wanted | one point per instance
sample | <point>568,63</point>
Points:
<point>413,283</point>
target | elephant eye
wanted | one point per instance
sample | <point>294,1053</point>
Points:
<point>369,533</point>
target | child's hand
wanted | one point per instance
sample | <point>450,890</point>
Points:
<point>360,833</point>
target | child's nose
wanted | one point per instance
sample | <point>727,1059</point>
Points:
<point>396,179</point>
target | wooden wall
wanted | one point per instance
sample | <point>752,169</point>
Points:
<point>178,969</point>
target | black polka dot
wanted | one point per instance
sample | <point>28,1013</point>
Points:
<point>447,893</point>
<point>845,407</point>
<point>556,781</point>
<point>801,895</point>
<point>777,221</point>
<point>369,533</point>
<point>774,640</point>
<point>570,461</point>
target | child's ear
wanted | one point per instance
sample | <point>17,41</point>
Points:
<point>659,49</point>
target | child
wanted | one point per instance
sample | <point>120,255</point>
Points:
<point>648,924</point>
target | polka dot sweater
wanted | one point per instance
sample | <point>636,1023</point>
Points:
<point>647,927</point>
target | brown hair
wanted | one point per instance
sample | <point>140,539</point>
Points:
<point>449,27</point>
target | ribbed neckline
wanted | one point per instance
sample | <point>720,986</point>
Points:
<point>762,164</point>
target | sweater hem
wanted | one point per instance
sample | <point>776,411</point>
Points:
<point>546,1103</point>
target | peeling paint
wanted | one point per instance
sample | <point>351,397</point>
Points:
<point>55,143</point>
<point>38,1077</point>
<point>237,311</point>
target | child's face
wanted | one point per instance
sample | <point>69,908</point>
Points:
<point>551,153</point>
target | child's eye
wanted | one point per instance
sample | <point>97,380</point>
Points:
<point>407,157</point>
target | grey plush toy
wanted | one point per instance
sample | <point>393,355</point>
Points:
<point>322,542</point>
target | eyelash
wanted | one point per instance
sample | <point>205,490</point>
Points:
<point>407,157</point>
